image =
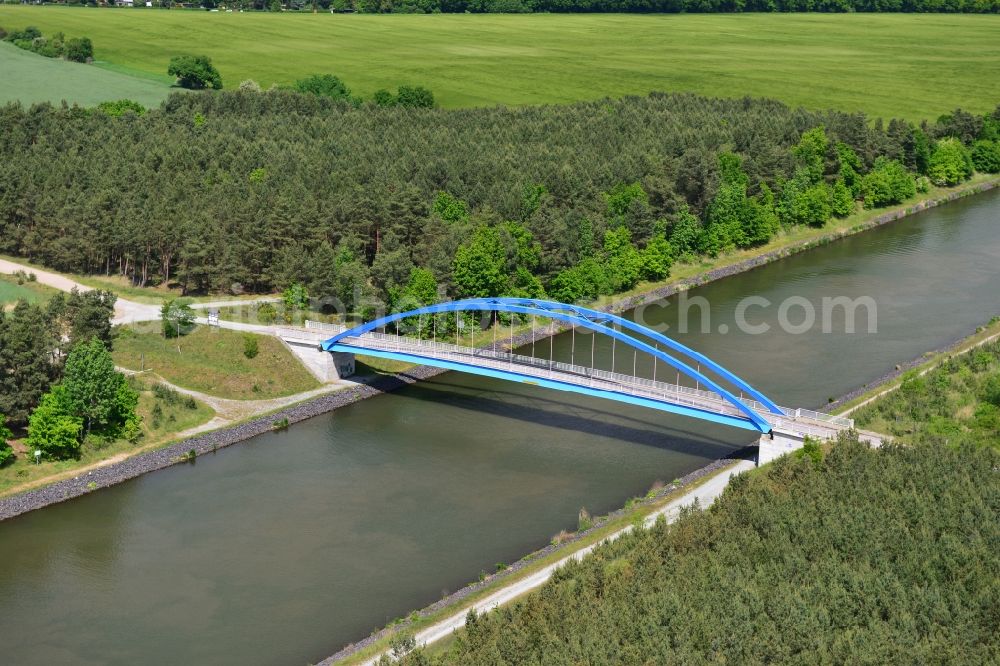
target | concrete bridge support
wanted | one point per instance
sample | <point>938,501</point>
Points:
<point>343,363</point>
<point>324,366</point>
<point>777,444</point>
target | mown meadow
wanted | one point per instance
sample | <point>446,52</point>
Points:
<point>888,65</point>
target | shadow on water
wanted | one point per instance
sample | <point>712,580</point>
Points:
<point>572,415</point>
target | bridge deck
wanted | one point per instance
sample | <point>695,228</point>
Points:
<point>527,368</point>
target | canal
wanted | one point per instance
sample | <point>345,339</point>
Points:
<point>282,549</point>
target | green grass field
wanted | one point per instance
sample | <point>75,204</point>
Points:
<point>211,361</point>
<point>11,291</point>
<point>30,78</point>
<point>914,66</point>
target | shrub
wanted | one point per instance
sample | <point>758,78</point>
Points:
<point>166,394</point>
<point>79,49</point>
<point>157,415</point>
<point>842,202</point>
<point>415,97</point>
<point>324,85</point>
<point>296,297</point>
<point>52,429</point>
<point>44,47</point>
<point>28,34</point>
<point>583,282</point>
<point>267,313</point>
<point>813,205</point>
<point>250,349</point>
<point>6,452</point>
<point>887,183</point>
<point>812,449</point>
<point>383,98</point>
<point>120,107</point>
<point>132,430</point>
<point>991,391</point>
<point>657,257</point>
<point>986,156</point>
<point>401,645</point>
<point>950,163</point>
<point>195,72</point>
<point>177,318</point>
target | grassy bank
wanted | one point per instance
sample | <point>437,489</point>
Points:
<point>883,64</point>
<point>12,290</point>
<point>164,414</point>
<point>920,367</point>
<point>212,361</point>
<point>954,398</point>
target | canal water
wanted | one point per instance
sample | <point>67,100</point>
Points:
<point>283,549</point>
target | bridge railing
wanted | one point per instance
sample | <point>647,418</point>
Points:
<point>648,387</point>
<point>544,368</point>
<point>833,419</point>
<point>322,326</point>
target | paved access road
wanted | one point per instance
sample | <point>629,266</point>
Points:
<point>130,312</point>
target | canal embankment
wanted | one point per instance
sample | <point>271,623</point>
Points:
<point>179,452</point>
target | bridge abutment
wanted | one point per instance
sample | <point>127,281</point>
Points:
<point>330,366</point>
<point>343,364</point>
<point>777,444</point>
<point>324,366</point>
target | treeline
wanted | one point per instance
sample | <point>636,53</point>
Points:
<point>250,191</point>
<point>665,6</point>
<point>57,377</point>
<point>859,557</point>
<point>36,339</point>
<point>77,49</point>
<point>608,6</point>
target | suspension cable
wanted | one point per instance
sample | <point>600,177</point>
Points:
<point>533,317</point>
<point>552,335</point>
<point>593,344</point>
<point>510,344</point>
<point>572,348</point>
<point>656,346</point>
<point>613,340</point>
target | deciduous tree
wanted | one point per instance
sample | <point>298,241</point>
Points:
<point>194,72</point>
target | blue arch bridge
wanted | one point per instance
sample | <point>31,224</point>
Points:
<point>716,395</point>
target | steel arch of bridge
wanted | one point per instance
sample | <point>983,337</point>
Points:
<point>597,321</point>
